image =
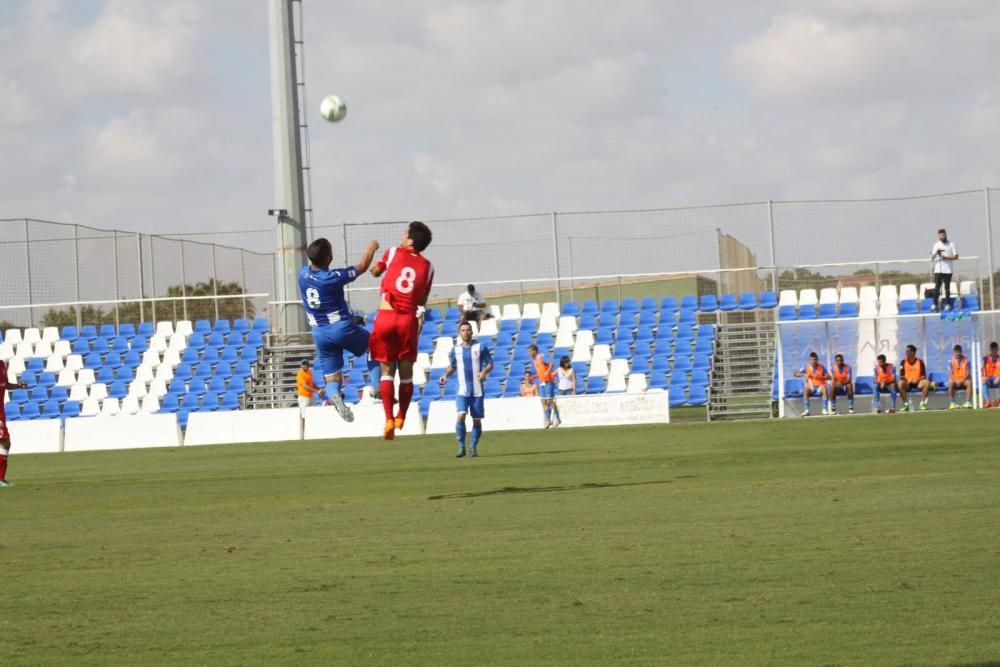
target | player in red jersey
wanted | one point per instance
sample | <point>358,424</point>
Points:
<point>5,384</point>
<point>406,283</point>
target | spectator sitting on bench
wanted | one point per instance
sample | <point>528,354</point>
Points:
<point>472,305</point>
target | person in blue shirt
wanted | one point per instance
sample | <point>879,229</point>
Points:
<point>472,362</point>
<point>333,327</point>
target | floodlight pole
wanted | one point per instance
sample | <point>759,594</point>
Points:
<point>289,195</point>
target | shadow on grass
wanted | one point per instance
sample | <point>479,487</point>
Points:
<point>545,489</point>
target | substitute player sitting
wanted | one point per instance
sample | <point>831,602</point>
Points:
<point>885,381</point>
<point>472,362</point>
<point>816,382</point>
<point>546,377</point>
<point>407,277</point>
<point>913,376</point>
<point>991,375</point>
<point>959,377</point>
<point>333,327</point>
<point>842,380</point>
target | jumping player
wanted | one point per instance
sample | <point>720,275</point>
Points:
<point>5,384</point>
<point>885,380</point>
<point>816,380</point>
<point>842,379</point>
<point>407,277</point>
<point>991,375</point>
<point>546,386</point>
<point>472,362</point>
<point>333,327</point>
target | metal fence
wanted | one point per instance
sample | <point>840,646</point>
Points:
<point>532,257</point>
<point>55,274</point>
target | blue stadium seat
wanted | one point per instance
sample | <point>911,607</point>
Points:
<point>30,411</point>
<point>644,334</point>
<point>230,354</point>
<point>940,380</point>
<point>807,312</point>
<point>647,318</point>
<point>529,326</point>
<point>706,331</point>
<point>28,378</point>
<point>13,411</point>
<point>908,307</point>
<point>748,301</point>
<point>113,360</point>
<point>81,346</point>
<point>970,302</point>
<point>169,403</point>
<point>47,379</point>
<point>431,315</point>
<point>512,389</point>
<point>669,303</point>
<point>39,393</point>
<point>704,347</point>
<point>190,402</point>
<point>827,310</point>
<point>230,401</point>
<point>589,307</point>
<point>118,390</point>
<point>544,341</point>
<point>59,394</point>
<point>182,417</point>
<point>70,409</point>
<point>678,391</point>
<point>211,355</point>
<point>68,333</point>
<point>708,304</point>
<point>682,363</point>
<point>196,341</point>
<point>183,371</point>
<point>728,302</point>
<point>248,353</point>
<point>794,387</point>
<point>699,377</point>
<point>588,321</point>
<point>786,313</point>
<point>177,386</point>
<point>508,327</point>
<point>124,373</point>
<point>689,302</point>
<point>630,306</point>
<point>595,385</point>
<point>643,348</point>
<point>452,314</point>
<point>492,388</point>
<point>698,395</point>
<point>640,365</point>
<point>658,381</point>
<point>146,329</point>
<point>217,384</point>
<point>139,344</point>
<point>35,365</point>
<point>505,339</point>
<point>216,339</point>
<point>236,339</point>
<point>622,349</point>
<point>486,340</point>
<point>224,370</point>
<point>106,374</point>
<point>191,356</point>
<point>260,324</point>
<point>687,317</point>
<point>570,308</point>
<point>242,370</point>
<point>127,330</point>
<point>222,326</point>
<point>132,359</point>
<point>107,331</point>
<point>88,331</point>
<point>202,327</point>
<point>864,385</point>
<point>604,337</point>
<point>241,325</point>
<point>210,402</point>
<point>648,304</point>
<point>768,300</point>
<point>203,370</point>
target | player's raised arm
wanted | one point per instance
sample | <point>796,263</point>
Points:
<point>366,259</point>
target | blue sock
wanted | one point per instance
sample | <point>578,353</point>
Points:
<point>460,433</point>
<point>805,404</point>
<point>477,432</point>
<point>548,413</point>
<point>555,411</point>
<point>850,402</point>
<point>893,398</point>
<point>876,399</point>
<point>332,388</point>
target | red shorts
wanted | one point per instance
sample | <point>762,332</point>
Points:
<point>394,337</point>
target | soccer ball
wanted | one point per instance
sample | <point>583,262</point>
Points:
<point>332,108</point>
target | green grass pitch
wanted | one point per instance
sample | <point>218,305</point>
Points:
<point>839,541</point>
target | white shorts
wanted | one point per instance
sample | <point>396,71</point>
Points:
<point>304,402</point>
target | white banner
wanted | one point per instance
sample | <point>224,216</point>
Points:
<point>652,407</point>
<point>323,422</point>
<point>121,432</point>
<point>39,436</point>
<point>241,426</point>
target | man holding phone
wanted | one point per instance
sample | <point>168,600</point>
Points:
<point>943,254</point>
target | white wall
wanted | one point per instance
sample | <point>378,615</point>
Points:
<point>502,414</point>
<point>39,436</point>
<point>323,422</point>
<point>121,432</point>
<point>240,426</point>
<point>652,407</point>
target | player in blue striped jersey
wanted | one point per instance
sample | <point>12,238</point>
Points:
<point>333,327</point>
<point>471,361</point>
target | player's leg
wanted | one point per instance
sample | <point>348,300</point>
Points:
<point>556,419</point>
<point>968,393</point>
<point>384,349</point>
<point>331,361</point>
<point>832,401</point>
<point>904,395</point>
<point>938,279</point>
<point>461,405</point>
<point>409,329</point>
<point>951,395</point>
<point>925,390</point>
<point>477,408</point>
<point>877,397</point>
<point>824,392</point>
<point>4,453</point>
<point>849,389</point>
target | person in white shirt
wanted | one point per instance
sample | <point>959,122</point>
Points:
<point>565,377</point>
<point>472,305</point>
<point>943,254</point>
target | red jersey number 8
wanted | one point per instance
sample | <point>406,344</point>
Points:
<point>404,283</point>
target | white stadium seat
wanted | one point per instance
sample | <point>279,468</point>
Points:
<point>62,348</point>
<point>15,366</point>
<point>158,343</point>
<point>177,342</point>
<point>924,287</point>
<point>184,328</point>
<point>637,383</point>
<point>423,361</point>
<point>74,362</point>
<point>67,378</point>
<point>848,295</point>
<point>967,287</point>
<point>419,376</point>
<point>130,405</point>
<point>54,364</point>
<point>807,297</point>
<point>888,293</point>
<point>550,309</point>
<point>488,328</point>
<point>24,350</point>
<point>157,389</point>
<point>172,358</point>
<point>90,408</point>
<point>12,336</point>
<point>511,311</point>
<point>828,295</point>
<point>32,335</point>
<point>151,358</point>
<point>601,352</point>
<point>43,349</point>
<point>137,388</point>
<point>619,367</point>
<point>110,407</point>
<point>531,311</point>
<point>6,351</point>
<point>598,368</point>
<point>150,405</point>
<point>164,329</point>
<point>145,374</point>
<point>496,312</point>
<point>86,376</point>
<point>788,297</point>
<point>908,292</point>
<point>50,335</point>
<point>164,372</point>
<point>616,383</point>
<point>99,390</point>
<point>564,338</point>
<point>78,393</point>
<point>548,324</point>
<point>567,323</point>
<point>581,352</point>
<point>585,336</point>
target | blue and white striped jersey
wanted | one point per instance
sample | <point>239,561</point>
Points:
<point>322,292</point>
<point>468,362</point>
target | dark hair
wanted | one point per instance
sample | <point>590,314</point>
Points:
<point>994,345</point>
<point>838,356</point>
<point>306,362</point>
<point>420,234</point>
<point>957,348</point>
<point>471,288</point>
<point>320,253</point>
<point>911,347</point>
<point>813,355</point>
<point>942,231</point>
<point>563,361</point>
<point>881,358</point>
<point>465,324</point>
<point>532,347</point>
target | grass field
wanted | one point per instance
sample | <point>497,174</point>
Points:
<point>841,541</point>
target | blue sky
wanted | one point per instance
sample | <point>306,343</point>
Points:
<point>155,116</point>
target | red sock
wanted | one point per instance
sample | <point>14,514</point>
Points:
<point>405,396</point>
<point>387,388</point>
<point>3,466</point>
